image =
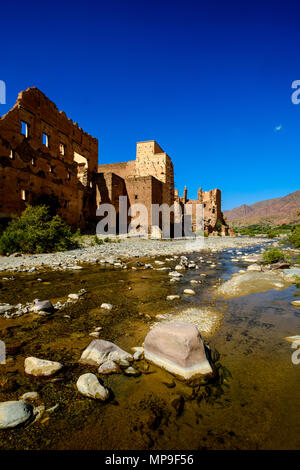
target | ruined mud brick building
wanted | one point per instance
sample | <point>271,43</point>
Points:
<point>147,180</point>
<point>46,158</point>
<point>214,221</point>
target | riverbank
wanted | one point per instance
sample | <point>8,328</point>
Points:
<point>154,410</point>
<point>127,249</point>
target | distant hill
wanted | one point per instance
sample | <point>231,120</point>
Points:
<point>281,210</point>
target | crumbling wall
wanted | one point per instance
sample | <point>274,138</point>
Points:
<point>37,147</point>
<point>214,221</point>
<point>122,169</point>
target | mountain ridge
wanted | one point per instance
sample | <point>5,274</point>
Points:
<point>274,211</point>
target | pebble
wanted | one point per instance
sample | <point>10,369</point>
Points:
<point>30,396</point>
<point>89,386</point>
<point>109,367</point>
<point>73,296</point>
<point>173,297</point>
<point>95,334</point>
<point>42,306</point>
<point>138,355</point>
<point>189,292</point>
<point>132,371</point>
<point>107,306</point>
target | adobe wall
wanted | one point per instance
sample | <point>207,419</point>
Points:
<point>152,160</point>
<point>145,190</point>
<point>213,215</point>
<point>122,169</point>
<point>29,169</point>
<point>109,187</point>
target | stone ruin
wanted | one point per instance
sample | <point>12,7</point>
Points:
<point>45,158</point>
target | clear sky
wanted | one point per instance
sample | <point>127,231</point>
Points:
<point>210,81</point>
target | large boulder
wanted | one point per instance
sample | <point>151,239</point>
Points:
<point>14,413</point>
<point>291,274</point>
<point>100,351</point>
<point>248,283</point>
<point>89,386</point>
<point>178,348</point>
<point>41,367</point>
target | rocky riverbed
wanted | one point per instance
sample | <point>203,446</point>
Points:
<point>251,401</point>
<point>112,253</point>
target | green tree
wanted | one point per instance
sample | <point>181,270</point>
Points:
<point>36,231</point>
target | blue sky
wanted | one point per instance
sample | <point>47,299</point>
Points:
<point>210,81</point>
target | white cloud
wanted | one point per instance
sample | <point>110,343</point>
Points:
<point>278,128</point>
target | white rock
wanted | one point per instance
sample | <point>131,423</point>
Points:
<point>131,371</point>
<point>175,274</point>
<point>173,297</point>
<point>14,413</point>
<point>42,306</point>
<point>5,308</point>
<point>138,355</point>
<point>109,367</point>
<point>73,296</point>
<point>89,386</point>
<point>124,363</point>
<point>189,292</point>
<point>94,334</point>
<point>138,348</point>
<point>41,367</point>
<point>254,267</point>
<point>293,339</point>
<point>107,306</point>
<point>100,351</point>
<point>30,396</point>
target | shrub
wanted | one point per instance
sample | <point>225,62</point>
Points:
<point>219,225</point>
<point>97,240</point>
<point>273,255</point>
<point>35,231</point>
<point>294,237</point>
<point>271,234</point>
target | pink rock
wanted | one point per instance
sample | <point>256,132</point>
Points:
<point>178,348</point>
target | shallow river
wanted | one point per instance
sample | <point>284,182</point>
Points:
<point>252,403</point>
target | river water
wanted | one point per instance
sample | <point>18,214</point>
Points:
<point>253,402</point>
